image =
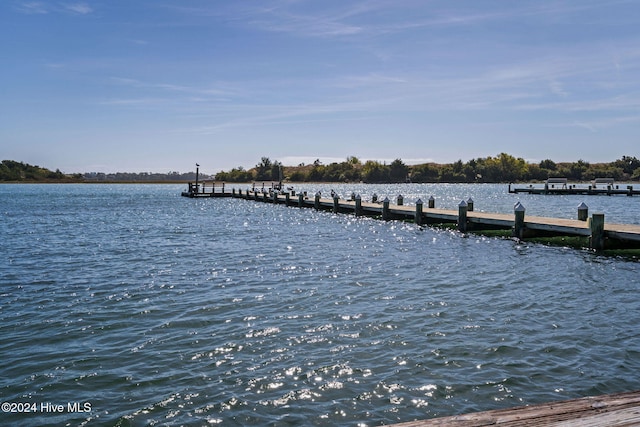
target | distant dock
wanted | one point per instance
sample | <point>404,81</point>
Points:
<point>465,219</point>
<point>202,189</point>
<point>599,186</point>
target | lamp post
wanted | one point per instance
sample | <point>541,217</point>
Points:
<point>197,173</point>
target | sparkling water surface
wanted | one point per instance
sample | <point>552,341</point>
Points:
<point>163,310</point>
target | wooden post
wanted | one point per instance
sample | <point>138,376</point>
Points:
<point>213,190</point>
<point>286,198</point>
<point>400,200</point>
<point>629,190</point>
<point>265,197</point>
<point>518,223</point>
<point>197,175</point>
<point>470,205</point>
<point>353,196</point>
<point>462,217</point>
<point>358,208</point>
<point>316,202</point>
<point>255,195</point>
<point>583,212</point>
<point>374,198</point>
<point>418,216</point>
<point>385,209</point>
<point>596,241</point>
<point>432,202</point>
<point>300,200</point>
<point>335,203</point>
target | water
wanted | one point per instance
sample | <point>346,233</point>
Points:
<point>155,309</point>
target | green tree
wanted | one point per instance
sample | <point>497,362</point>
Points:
<point>548,164</point>
<point>628,164</point>
<point>398,171</point>
<point>424,173</point>
<point>263,169</point>
<point>276,171</point>
<point>374,171</point>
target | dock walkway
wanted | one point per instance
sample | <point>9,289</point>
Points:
<point>621,410</point>
<point>574,189</point>
<point>600,235</point>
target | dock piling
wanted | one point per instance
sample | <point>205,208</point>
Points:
<point>400,200</point>
<point>583,212</point>
<point>385,209</point>
<point>336,203</point>
<point>432,202</point>
<point>596,226</point>
<point>300,200</point>
<point>418,216</point>
<point>518,224</point>
<point>316,201</point>
<point>470,205</point>
<point>462,216</point>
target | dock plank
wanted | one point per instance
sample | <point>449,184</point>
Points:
<point>622,409</point>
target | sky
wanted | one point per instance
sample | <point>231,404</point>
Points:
<point>158,85</point>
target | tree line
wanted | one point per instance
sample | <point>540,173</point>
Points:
<point>12,171</point>
<point>501,168</point>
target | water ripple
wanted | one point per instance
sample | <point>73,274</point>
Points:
<point>165,311</point>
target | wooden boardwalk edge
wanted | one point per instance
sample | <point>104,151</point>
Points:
<point>621,409</point>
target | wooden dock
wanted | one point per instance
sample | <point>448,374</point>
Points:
<point>599,235</point>
<point>620,410</point>
<point>201,189</point>
<point>576,189</point>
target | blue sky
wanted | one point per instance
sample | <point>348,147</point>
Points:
<point>158,85</point>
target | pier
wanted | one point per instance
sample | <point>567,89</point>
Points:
<point>558,186</point>
<point>621,409</point>
<point>600,235</point>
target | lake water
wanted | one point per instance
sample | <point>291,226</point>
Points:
<point>146,308</point>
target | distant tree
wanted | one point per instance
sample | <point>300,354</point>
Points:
<point>398,171</point>
<point>373,171</point>
<point>238,174</point>
<point>577,169</point>
<point>264,170</point>
<point>276,170</point>
<point>424,173</point>
<point>353,160</point>
<point>548,164</point>
<point>628,164</point>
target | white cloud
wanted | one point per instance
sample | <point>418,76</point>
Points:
<point>42,8</point>
<point>33,8</point>
<point>79,8</point>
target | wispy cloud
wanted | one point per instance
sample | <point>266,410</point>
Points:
<point>33,8</point>
<point>42,8</point>
<point>78,8</point>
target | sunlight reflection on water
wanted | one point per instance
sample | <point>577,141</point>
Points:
<point>161,309</point>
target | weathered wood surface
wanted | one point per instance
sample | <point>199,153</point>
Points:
<point>622,409</point>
